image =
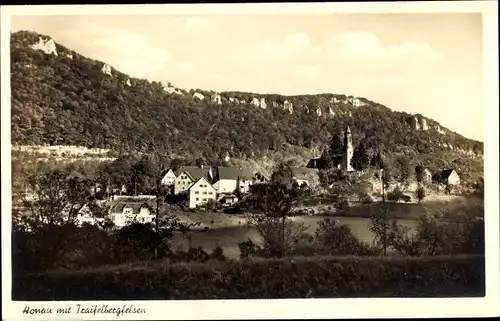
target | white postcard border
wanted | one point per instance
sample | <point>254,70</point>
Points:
<point>289,308</point>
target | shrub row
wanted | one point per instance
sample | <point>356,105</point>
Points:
<point>318,277</point>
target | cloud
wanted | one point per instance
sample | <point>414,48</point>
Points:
<point>365,45</point>
<point>129,52</point>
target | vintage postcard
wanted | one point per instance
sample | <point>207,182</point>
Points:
<point>248,161</point>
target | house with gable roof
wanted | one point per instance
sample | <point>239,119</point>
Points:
<point>123,213</point>
<point>168,178</point>
<point>297,175</point>
<point>188,175</point>
<point>303,175</point>
<point>201,192</point>
<point>229,180</point>
<point>449,177</point>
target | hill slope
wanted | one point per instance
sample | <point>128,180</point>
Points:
<point>60,97</point>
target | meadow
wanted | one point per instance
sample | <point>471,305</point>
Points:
<point>313,277</point>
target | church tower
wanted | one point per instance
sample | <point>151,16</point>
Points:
<point>347,151</point>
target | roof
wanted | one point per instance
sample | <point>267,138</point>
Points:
<point>303,172</point>
<point>445,173</point>
<point>313,163</point>
<point>165,172</point>
<point>201,178</point>
<point>223,196</point>
<point>194,172</point>
<point>136,207</point>
<point>233,173</point>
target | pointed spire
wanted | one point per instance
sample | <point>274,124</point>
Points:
<point>347,130</point>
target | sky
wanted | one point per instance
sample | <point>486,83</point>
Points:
<point>429,63</point>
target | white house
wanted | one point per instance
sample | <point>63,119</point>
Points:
<point>124,213</point>
<point>169,178</point>
<point>200,193</point>
<point>228,200</point>
<point>229,180</point>
<point>226,180</point>
<point>245,180</point>
<point>449,177</point>
<point>83,214</point>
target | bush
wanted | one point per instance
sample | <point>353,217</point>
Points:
<point>218,254</point>
<point>248,249</point>
<point>395,195</point>
<point>406,198</point>
<point>82,247</point>
<point>277,237</point>
<point>335,239</point>
<point>138,242</point>
<point>420,193</point>
<point>366,199</point>
<point>442,233</point>
<point>318,277</point>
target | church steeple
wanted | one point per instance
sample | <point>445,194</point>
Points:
<point>348,151</point>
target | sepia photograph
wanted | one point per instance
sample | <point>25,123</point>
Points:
<point>208,155</point>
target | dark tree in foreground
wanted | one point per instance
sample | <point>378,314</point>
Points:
<point>48,214</point>
<point>270,204</point>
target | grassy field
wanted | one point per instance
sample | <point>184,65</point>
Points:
<point>316,277</point>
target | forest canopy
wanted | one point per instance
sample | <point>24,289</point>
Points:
<point>67,100</point>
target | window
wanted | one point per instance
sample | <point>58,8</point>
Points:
<point>204,199</point>
<point>196,192</point>
<point>197,199</point>
<point>209,193</point>
<point>204,193</point>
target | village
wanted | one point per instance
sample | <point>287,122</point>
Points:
<point>225,186</point>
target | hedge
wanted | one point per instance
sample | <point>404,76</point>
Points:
<point>315,277</point>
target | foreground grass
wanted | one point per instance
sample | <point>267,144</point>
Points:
<point>319,277</point>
